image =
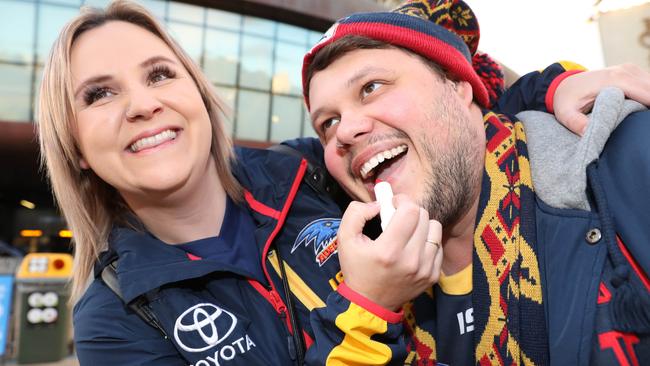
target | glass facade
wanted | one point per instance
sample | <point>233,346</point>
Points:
<point>254,63</point>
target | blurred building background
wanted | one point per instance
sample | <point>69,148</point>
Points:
<point>625,32</point>
<point>251,50</point>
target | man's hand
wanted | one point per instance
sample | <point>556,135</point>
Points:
<point>401,263</point>
<point>576,94</point>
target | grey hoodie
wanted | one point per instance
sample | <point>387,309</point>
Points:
<point>559,158</point>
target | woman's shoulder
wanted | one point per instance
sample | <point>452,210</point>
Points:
<point>100,312</point>
<point>107,332</point>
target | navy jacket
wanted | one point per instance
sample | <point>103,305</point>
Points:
<point>583,273</point>
<point>214,313</point>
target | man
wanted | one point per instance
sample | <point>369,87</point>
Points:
<point>393,97</point>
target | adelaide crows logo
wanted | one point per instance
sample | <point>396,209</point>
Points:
<point>322,234</point>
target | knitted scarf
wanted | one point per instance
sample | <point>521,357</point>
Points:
<point>509,323</point>
<point>510,328</point>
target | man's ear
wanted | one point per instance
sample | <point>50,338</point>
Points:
<point>465,92</point>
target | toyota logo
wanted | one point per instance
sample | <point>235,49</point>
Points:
<point>208,321</point>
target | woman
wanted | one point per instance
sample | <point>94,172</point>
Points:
<point>143,172</point>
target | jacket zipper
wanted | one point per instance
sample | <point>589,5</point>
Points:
<point>271,294</point>
<point>279,306</point>
<point>274,299</point>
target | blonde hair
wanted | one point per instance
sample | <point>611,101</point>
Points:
<point>91,207</point>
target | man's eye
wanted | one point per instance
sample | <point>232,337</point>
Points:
<point>328,123</point>
<point>370,87</point>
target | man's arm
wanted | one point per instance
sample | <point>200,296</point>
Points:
<point>531,91</point>
<point>352,330</point>
<point>359,325</point>
<point>565,90</point>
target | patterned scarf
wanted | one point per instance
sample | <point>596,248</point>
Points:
<point>510,328</point>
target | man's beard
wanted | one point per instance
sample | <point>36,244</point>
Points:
<point>455,172</point>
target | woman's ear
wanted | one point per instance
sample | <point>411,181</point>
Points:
<point>83,163</point>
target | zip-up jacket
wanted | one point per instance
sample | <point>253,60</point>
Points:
<point>214,313</point>
<point>594,252</point>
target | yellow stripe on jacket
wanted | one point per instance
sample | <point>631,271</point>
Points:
<point>357,347</point>
<point>298,287</point>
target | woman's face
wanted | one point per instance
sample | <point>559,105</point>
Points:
<point>141,123</point>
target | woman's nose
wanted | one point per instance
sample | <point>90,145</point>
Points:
<point>143,105</point>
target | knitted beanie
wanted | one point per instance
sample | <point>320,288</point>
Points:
<point>444,31</point>
<point>491,75</point>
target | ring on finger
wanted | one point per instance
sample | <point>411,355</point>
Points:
<point>433,243</point>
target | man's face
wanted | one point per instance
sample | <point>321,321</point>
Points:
<point>384,114</point>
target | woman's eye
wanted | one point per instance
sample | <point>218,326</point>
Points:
<point>370,87</point>
<point>160,73</point>
<point>96,93</point>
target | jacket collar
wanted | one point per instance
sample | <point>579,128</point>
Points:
<point>267,175</point>
<point>146,263</point>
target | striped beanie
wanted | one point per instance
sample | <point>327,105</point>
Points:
<point>444,31</point>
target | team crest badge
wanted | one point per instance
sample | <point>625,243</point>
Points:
<point>321,234</point>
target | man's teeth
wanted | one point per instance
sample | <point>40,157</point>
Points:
<point>380,158</point>
<point>152,141</point>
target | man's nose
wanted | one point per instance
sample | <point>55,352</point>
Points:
<point>143,104</point>
<point>352,128</point>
